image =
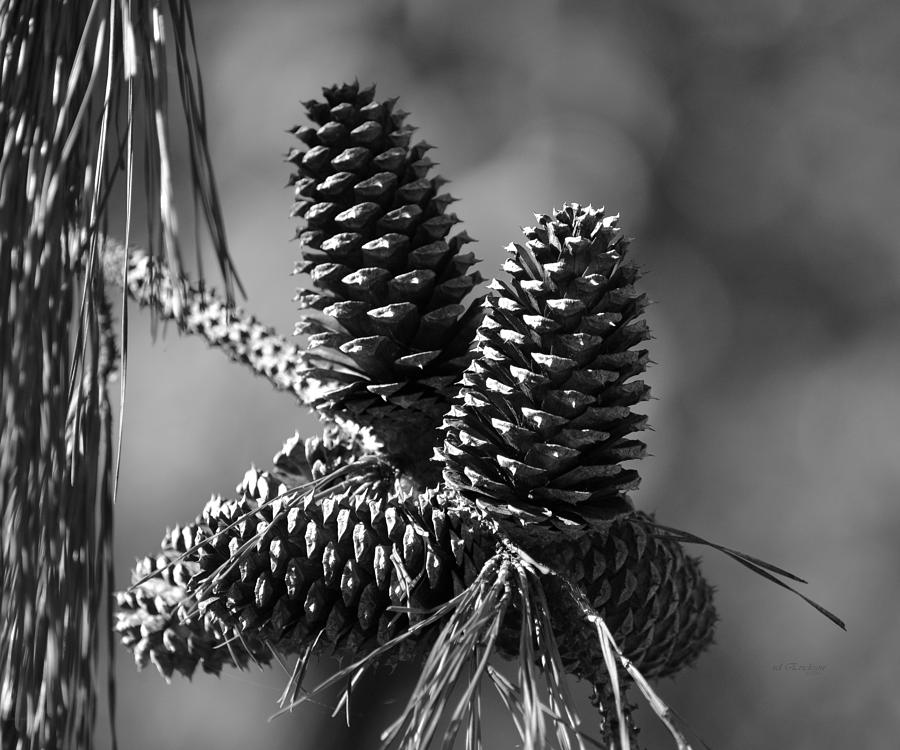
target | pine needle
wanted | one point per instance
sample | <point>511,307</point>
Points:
<point>760,567</point>
<point>471,627</point>
<point>612,653</point>
<point>70,71</point>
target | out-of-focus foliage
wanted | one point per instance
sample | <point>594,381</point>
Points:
<point>753,151</point>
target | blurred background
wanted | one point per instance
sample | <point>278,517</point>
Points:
<point>753,151</point>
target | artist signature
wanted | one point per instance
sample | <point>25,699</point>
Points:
<point>793,666</point>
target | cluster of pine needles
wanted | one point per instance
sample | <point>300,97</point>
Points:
<point>83,93</point>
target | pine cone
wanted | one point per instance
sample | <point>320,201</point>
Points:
<point>300,461</point>
<point>389,282</point>
<point>543,420</point>
<point>286,573</point>
<point>327,570</point>
<point>160,621</point>
<point>650,593</point>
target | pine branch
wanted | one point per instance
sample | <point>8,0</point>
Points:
<point>240,336</point>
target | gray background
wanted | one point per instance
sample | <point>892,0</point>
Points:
<point>752,149</point>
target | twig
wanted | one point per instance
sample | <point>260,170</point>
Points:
<point>238,334</point>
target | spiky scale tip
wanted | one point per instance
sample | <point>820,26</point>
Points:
<point>390,281</point>
<point>544,418</point>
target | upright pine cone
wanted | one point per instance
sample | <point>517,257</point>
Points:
<point>389,282</point>
<point>543,419</point>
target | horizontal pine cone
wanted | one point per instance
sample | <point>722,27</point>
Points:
<point>161,623</point>
<point>389,280</point>
<point>328,570</point>
<point>293,570</point>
